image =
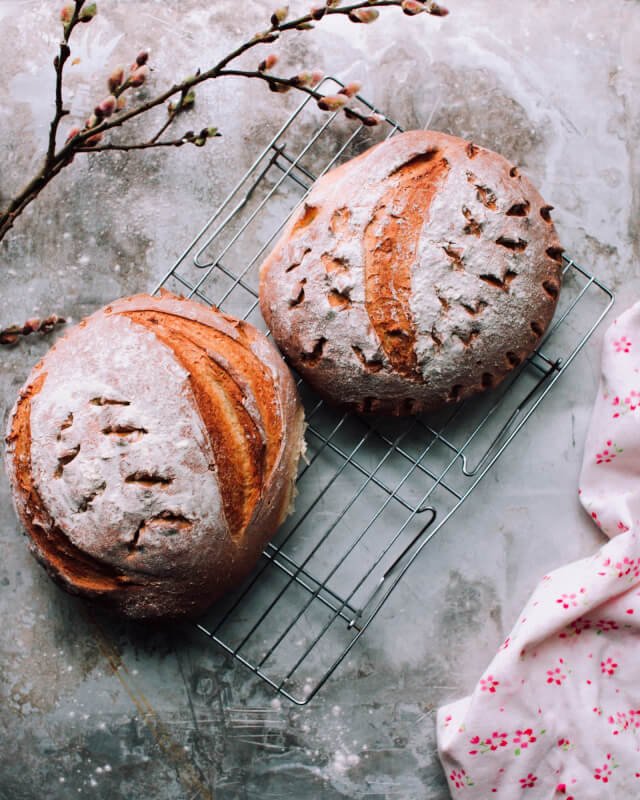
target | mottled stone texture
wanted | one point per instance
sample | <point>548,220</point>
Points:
<point>89,707</point>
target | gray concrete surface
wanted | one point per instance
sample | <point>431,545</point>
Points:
<point>93,707</point>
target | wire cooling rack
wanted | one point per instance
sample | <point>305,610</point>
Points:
<point>372,492</point>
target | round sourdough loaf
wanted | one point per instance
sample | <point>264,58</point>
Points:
<point>153,453</point>
<point>417,274</point>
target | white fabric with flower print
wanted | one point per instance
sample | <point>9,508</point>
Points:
<point>557,713</point>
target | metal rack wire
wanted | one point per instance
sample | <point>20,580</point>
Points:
<point>373,492</point>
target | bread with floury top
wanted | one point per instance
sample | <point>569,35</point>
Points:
<point>413,276</point>
<point>153,453</point>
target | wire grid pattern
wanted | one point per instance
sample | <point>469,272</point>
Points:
<point>371,492</point>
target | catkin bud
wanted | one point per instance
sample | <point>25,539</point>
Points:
<point>302,79</point>
<point>189,100</point>
<point>372,120</point>
<point>115,79</point>
<point>351,89</point>
<point>107,106</point>
<point>139,76</point>
<point>88,12</point>
<point>279,16</point>
<point>317,12</point>
<point>413,7</point>
<point>268,63</point>
<point>66,13</point>
<point>332,102</point>
<point>93,140</point>
<point>437,11</point>
<point>72,134</point>
<point>276,86</point>
<point>142,58</point>
<point>365,15</point>
<point>316,76</point>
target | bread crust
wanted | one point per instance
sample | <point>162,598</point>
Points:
<point>153,453</point>
<point>419,273</point>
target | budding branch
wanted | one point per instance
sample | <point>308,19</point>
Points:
<point>111,112</point>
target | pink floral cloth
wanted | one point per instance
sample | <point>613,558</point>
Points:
<point>557,713</point>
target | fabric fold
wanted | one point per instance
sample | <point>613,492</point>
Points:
<point>557,712</point>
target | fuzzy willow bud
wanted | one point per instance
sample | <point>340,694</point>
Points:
<point>107,106</point>
<point>302,79</point>
<point>66,13</point>
<point>139,76</point>
<point>372,120</point>
<point>276,86</point>
<point>279,16</point>
<point>437,11</point>
<point>116,79</point>
<point>72,134</point>
<point>142,58</point>
<point>88,12</point>
<point>332,102</point>
<point>365,15</point>
<point>413,7</point>
<point>93,140</point>
<point>268,63</point>
<point>351,89</point>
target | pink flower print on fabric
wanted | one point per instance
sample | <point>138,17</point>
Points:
<point>608,453</point>
<point>523,739</point>
<point>489,684</point>
<point>460,779</point>
<point>623,721</point>
<point>604,625</point>
<point>556,675</point>
<point>608,667</point>
<point>576,627</point>
<point>624,404</point>
<point>605,772</point>
<point>570,600</point>
<point>625,568</point>
<point>622,345</point>
<point>488,745</point>
<point>529,782</point>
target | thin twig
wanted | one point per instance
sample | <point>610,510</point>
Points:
<point>58,64</point>
<point>101,148</point>
<point>11,335</point>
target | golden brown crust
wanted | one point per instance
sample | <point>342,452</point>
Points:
<point>416,275</point>
<point>188,427</point>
